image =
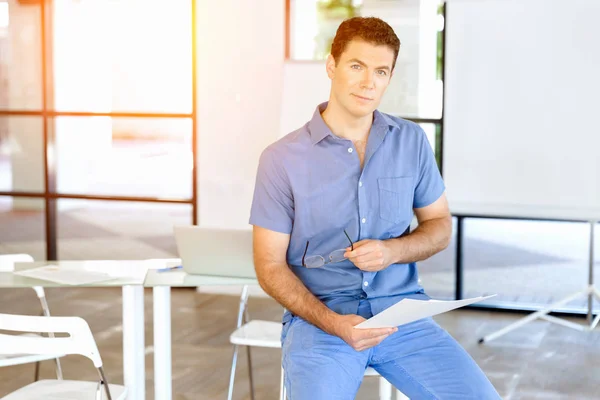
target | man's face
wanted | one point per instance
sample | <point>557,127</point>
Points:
<point>361,76</point>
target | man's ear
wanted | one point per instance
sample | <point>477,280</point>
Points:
<point>330,66</point>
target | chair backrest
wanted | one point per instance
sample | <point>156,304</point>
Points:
<point>7,264</point>
<point>7,261</point>
<point>81,341</point>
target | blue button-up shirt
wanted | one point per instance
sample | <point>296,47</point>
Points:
<point>310,185</point>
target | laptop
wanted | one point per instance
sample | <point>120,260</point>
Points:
<point>216,252</point>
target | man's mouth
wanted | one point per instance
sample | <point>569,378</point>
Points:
<point>362,98</point>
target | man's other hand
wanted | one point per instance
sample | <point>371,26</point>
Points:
<point>370,255</point>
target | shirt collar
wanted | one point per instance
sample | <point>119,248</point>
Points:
<point>317,127</point>
<point>319,130</point>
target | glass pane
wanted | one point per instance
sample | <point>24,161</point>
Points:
<point>101,64</point>
<point>25,216</point>
<point>21,154</point>
<point>527,263</point>
<point>20,56</point>
<point>433,133</point>
<point>438,273</point>
<point>430,132</point>
<point>416,88</point>
<point>115,230</point>
<point>124,156</point>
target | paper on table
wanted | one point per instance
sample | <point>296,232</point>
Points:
<point>65,276</point>
<point>409,310</point>
<point>127,269</point>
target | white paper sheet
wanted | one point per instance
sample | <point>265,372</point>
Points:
<point>65,276</point>
<point>129,269</point>
<point>409,310</point>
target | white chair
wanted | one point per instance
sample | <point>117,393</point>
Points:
<point>80,341</point>
<point>7,262</point>
<point>257,333</point>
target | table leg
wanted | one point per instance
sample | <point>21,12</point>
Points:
<point>133,342</point>
<point>162,342</point>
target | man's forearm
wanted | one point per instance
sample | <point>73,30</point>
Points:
<point>281,284</point>
<point>429,238</point>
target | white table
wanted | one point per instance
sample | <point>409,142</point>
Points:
<point>130,276</point>
<point>161,284</point>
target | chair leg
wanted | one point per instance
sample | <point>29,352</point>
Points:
<point>385,389</point>
<point>246,319</point>
<point>46,312</point>
<point>59,374</point>
<point>232,376</point>
<point>37,371</point>
<point>250,373</point>
<point>36,375</point>
<point>103,384</point>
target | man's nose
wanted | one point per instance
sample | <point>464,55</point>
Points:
<point>367,81</point>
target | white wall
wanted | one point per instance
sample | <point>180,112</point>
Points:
<point>305,85</point>
<point>240,60</point>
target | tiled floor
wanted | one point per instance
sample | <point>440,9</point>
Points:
<point>539,361</point>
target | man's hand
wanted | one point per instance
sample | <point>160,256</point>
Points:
<point>360,339</point>
<point>370,255</point>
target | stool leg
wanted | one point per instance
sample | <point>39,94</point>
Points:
<point>232,377</point>
<point>282,393</point>
<point>250,373</point>
<point>37,371</point>
<point>400,395</point>
<point>385,389</point>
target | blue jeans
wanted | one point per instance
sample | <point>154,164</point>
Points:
<point>421,359</point>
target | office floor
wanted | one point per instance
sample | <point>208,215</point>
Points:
<point>538,361</point>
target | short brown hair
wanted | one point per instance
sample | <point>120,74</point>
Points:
<point>370,29</point>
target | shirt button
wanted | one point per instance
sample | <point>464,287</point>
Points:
<point>364,220</point>
<point>366,283</point>
<point>360,184</point>
<point>350,150</point>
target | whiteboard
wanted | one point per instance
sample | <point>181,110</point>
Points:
<point>521,131</point>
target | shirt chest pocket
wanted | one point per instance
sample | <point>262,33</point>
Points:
<point>396,198</point>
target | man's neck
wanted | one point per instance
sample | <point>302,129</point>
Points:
<point>346,126</point>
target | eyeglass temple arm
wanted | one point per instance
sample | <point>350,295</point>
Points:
<point>304,255</point>
<point>350,240</point>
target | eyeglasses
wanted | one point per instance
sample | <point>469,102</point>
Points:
<point>318,261</point>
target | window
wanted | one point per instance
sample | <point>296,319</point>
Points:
<point>110,122</point>
<point>416,88</point>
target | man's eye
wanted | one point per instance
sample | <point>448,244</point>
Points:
<point>355,66</point>
<point>382,72</point>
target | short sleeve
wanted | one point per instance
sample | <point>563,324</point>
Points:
<point>430,185</point>
<point>273,203</point>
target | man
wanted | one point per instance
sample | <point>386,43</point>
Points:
<point>332,206</point>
